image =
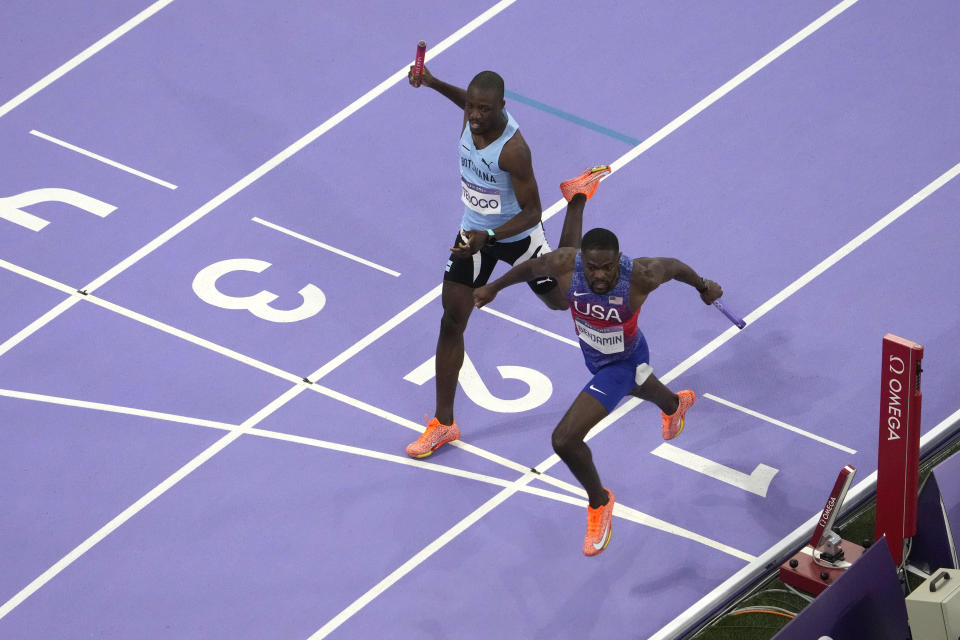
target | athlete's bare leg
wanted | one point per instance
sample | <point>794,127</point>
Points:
<point>570,236</point>
<point>652,390</point>
<point>585,412</point>
<point>572,231</point>
<point>457,304</point>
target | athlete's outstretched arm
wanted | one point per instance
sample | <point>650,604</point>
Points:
<point>456,95</point>
<point>650,273</point>
<point>557,264</point>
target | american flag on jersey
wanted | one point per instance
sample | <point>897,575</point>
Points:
<point>616,300</point>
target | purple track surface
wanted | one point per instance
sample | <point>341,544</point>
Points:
<point>166,472</point>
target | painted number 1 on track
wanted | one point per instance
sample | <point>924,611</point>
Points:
<point>756,482</point>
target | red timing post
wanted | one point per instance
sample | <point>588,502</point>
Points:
<point>418,62</point>
<point>898,456</point>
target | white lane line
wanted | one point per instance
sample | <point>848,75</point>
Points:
<point>317,243</point>
<point>465,30</point>
<point>403,460</point>
<point>733,83</point>
<point>36,325</point>
<point>849,247</point>
<point>639,517</point>
<point>268,368</point>
<point>189,337</point>
<point>36,277</point>
<point>377,333</point>
<point>720,92</point>
<point>399,75</point>
<point>113,408</point>
<point>420,557</point>
<point>104,160</point>
<point>81,57</point>
<point>532,327</point>
<point>784,425</point>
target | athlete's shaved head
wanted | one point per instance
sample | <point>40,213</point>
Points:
<point>483,105</point>
<point>600,239</point>
<point>488,81</point>
<point>600,256</point>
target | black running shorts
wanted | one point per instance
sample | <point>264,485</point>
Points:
<point>475,270</point>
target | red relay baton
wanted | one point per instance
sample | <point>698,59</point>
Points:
<point>418,62</point>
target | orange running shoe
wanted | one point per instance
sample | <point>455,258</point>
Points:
<point>586,183</point>
<point>673,424</point>
<point>599,527</point>
<point>435,436</point>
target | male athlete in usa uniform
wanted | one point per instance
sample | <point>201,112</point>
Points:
<point>500,221</point>
<point>606,290</point>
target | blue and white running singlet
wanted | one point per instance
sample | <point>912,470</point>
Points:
<point>486,190</point>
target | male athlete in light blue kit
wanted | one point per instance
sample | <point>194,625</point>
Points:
<point>500,221</point>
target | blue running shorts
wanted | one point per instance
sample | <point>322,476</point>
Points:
<point>612,382</point>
